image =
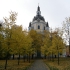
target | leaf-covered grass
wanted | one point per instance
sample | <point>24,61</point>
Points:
<point>13,65</point>
<point>64,64</point>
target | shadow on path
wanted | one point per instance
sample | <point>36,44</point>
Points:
<point>38,65</point>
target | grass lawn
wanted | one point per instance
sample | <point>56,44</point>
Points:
<point>64,64</point>
<point>13,65</point>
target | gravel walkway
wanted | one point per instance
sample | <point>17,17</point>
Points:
<point>38,65</point>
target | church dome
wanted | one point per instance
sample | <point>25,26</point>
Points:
<point>38,17</point>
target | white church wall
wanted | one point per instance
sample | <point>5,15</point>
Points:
<point>35,25</point>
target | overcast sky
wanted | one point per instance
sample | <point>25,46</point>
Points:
<point>54,11</point>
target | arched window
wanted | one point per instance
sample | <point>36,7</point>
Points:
<point>38,27</point>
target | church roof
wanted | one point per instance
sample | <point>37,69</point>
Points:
<point>38,15</point>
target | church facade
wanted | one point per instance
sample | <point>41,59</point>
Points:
<point>38,23</point>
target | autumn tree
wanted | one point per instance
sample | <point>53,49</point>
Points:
<point>57,44</point>
<point>17,37</point>
<point>1,40</point>
<point>33,34</point>
<point>8,23</point>
<point>28,46</point>
<point>45,48</point>
<point>21,42</point>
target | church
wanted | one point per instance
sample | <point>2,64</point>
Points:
<point>38,23</point>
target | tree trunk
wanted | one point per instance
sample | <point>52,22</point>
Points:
<point>18,59</point>
<point>6,60</point>
<point>24,58</point>
<point>55,56</point>
<point>29,57</point>
<point>52,57</point>
<point>6,63</point>
<point>13,56</point>
<point>58,57</point>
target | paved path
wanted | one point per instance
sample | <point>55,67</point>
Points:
<point>38,65</point>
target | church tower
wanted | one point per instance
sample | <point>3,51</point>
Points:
<point>38,23</point>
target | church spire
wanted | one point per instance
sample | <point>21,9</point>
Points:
<point>38,10</point>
